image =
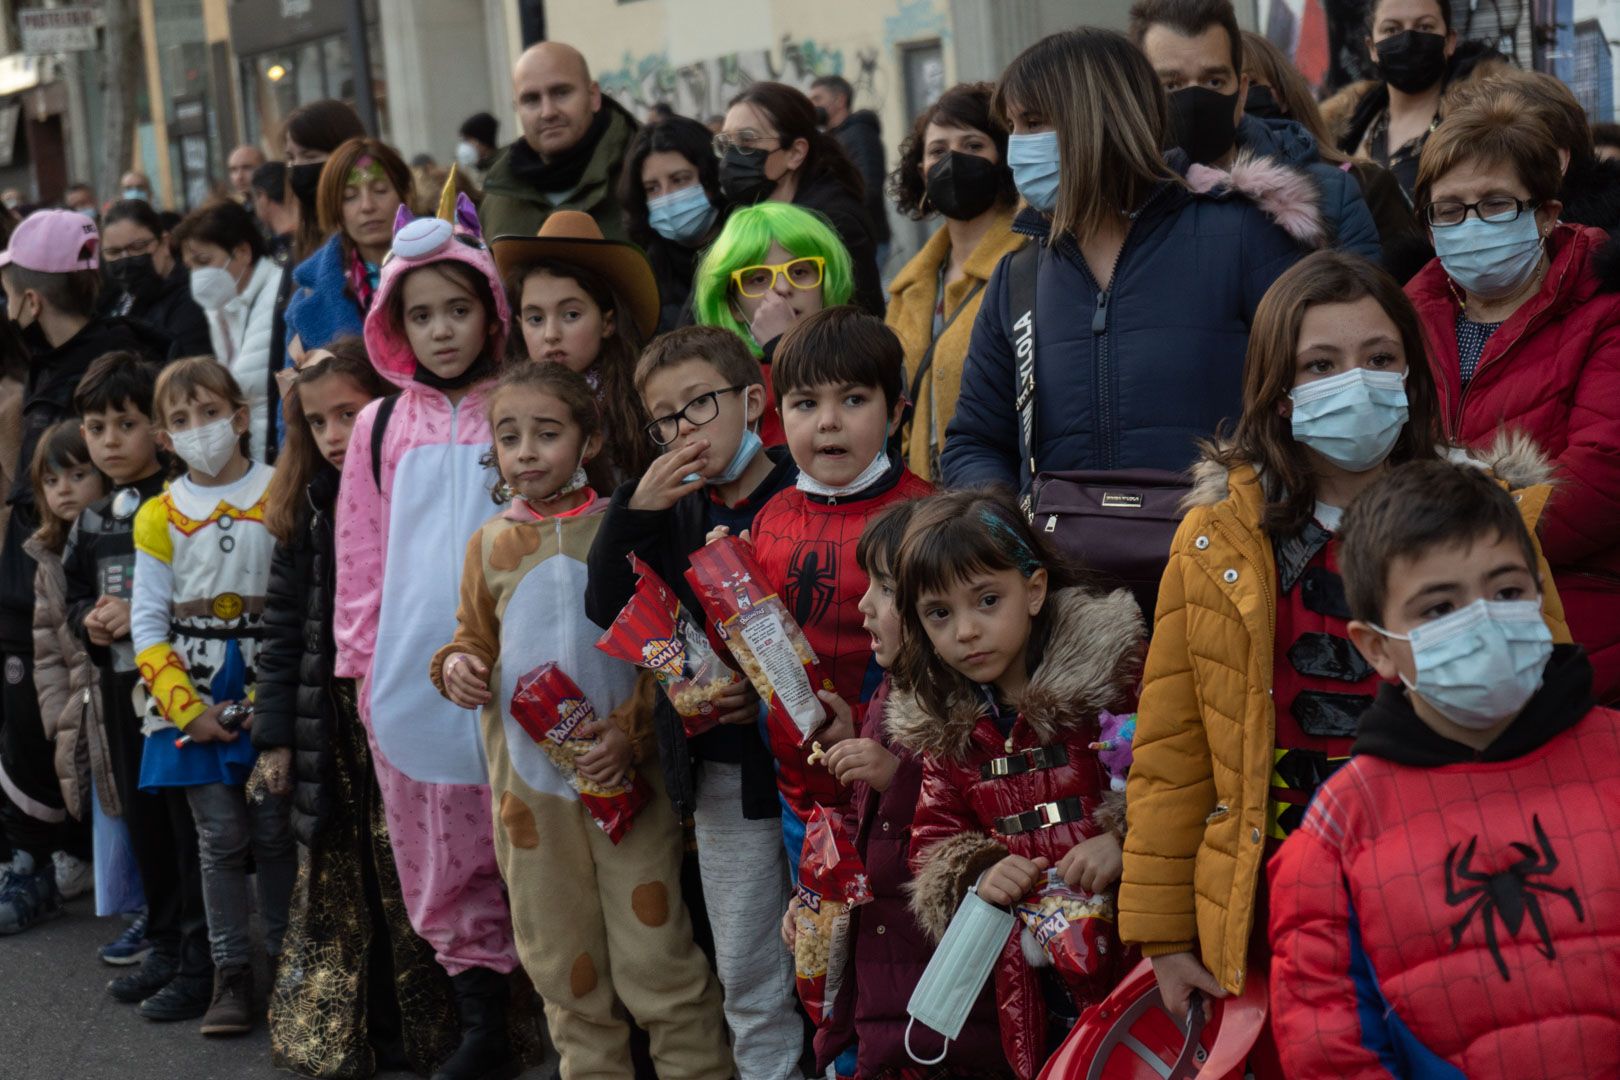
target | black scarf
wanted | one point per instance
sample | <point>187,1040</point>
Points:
<point>563,172</point>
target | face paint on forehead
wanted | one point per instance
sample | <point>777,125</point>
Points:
<point>365,171</point>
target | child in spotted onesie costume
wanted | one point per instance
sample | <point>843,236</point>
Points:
<point>413,491</point>
<point>596,919</point>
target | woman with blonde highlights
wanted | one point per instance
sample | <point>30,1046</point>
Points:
<point>1142,290</point>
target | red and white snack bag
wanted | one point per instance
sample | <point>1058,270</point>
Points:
<point>832,882</point>
<point>553,711</point>
<point>763,638</point>
<point>654,632</point>
<point>1078,930</point>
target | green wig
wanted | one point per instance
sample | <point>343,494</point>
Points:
<point>748,235</point>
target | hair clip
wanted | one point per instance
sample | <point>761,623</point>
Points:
<point>1012,545</point>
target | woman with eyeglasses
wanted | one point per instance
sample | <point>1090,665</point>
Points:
<point>771,265</point>
<point>1522,316</point>
<point>147,282</point>
<point>770,150</point>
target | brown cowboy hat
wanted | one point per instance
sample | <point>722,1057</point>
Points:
<point>570,236</point>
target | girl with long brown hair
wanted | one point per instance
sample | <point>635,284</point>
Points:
<point>351,960</point>
<point>1252,688</point>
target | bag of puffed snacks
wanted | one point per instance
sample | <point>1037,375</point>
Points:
<point>832,882</point>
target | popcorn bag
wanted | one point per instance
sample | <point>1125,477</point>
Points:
<point>764,639</point>
<point>832,881</point>
<point>553,710</point>
<point>1077,930</point>
<point>655,633</point>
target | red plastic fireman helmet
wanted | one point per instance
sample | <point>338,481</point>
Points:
<point>1130,1035</point>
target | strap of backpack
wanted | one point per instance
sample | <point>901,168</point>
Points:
<point>1023,269</point>
<point>927,360</point>
<point>379,425</point>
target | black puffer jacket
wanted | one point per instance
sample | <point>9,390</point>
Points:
<point>293,705</point>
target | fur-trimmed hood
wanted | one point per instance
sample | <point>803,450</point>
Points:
<point>1514,458</point>
<point>1094,648</point>
<point>1288,196</point>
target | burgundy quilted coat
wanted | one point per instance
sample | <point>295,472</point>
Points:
<point>1553,370</point>
<point>1091,661</point>
<point>891,950</point>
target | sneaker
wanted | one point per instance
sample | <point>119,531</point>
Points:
<point>155,972</point>
<point>130,947</point>
<point>185,997</point>
<point>26,897</point>
<point>231,1011</point>
<point>74,877</point>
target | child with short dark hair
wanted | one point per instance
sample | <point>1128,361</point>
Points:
<point>1451,886</point>
<point>705,394</point>
<point>49,272</point>
<point>838,383</point>
<point>175,979</point>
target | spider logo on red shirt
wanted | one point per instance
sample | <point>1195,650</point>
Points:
<point>812,580</point>
<point>1508,893</point>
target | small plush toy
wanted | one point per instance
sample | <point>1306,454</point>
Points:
<point>1114,745</point>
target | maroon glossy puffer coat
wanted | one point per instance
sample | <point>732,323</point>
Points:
<point>1090,661</point>
<point>1553,371</point>
<point>891,951</point>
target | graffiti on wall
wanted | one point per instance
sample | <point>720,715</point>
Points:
<point>702,88</point>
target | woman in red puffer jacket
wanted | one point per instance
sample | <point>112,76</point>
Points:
<point>1526,334</point>
<point>1005,664</point>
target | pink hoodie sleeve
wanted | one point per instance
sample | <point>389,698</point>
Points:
<point>362,533</point>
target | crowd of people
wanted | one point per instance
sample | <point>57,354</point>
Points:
<point>1199,566</point>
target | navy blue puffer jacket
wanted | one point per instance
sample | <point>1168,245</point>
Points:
<point>1344,210</point>
<point>1130,378</point>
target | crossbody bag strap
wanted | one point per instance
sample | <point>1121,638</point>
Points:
<point>1024,271</point>
<point>927,360</point>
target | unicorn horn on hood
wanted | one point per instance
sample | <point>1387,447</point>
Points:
<point>447,196</point>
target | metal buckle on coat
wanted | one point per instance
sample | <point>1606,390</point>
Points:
<point>1043,816</point>
<point>1041,757</point>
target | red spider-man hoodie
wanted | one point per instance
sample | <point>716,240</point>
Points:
<point>806,546</point>
<point>1443,912</point>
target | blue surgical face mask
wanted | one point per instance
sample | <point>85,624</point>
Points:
<point>135,193</point>
<point>1490,259</point>
<point>683,216</point>
<point>957,971</point>
<point>1480,664</point>
<point>1353,418</point>
<point>1033,160</point>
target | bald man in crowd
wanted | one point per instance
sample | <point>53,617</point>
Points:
<point>568,154</point>
<point>239,166</point>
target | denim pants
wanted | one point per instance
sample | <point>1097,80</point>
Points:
<point>228,828</point>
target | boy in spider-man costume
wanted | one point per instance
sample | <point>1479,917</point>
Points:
<point>837,377</point>
<point>1451,904</point>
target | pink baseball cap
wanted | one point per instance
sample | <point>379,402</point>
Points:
<point>50,242</point>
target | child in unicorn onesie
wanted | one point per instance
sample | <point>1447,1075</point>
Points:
<point>412,495</point>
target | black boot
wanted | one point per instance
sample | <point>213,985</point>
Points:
<point>485,1052</point>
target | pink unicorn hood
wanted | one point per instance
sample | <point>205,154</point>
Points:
<point>419,242</point>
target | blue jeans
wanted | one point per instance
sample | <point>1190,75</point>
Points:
<point>228,827</point>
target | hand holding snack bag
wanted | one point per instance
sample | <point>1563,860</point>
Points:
<point>655,633</point>
<point>1077,930</point>
<point>554,711</point>
<point>832,881</point>
<point>764,639</point>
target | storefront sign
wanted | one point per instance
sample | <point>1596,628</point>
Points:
<point>57,30</point>
<point>261,25</point>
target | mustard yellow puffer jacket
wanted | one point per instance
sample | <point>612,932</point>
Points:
<point>1205,733</point>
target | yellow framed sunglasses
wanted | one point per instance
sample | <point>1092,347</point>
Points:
<point>802,273</point>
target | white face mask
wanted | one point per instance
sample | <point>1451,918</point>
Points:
<point>467,155</point>
<point>207,449</point>
<point>213,287</point>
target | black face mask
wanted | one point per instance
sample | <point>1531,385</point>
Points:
<point>1203,122</point>
<point>305,181</point>
<point>135,275</point>
<point>1261,104</point>
<point>481,368</point>
<point>742,177</point>
<point>1412,60</point>
<point>963,186</point>
<point>821,117</point>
